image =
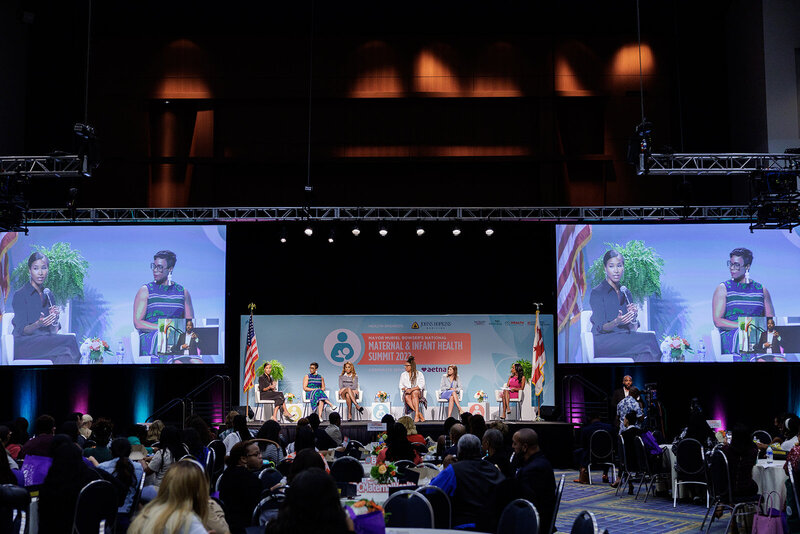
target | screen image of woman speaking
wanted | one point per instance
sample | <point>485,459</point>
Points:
<point>614,317</point>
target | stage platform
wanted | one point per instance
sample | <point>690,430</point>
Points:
<point>556,439</point>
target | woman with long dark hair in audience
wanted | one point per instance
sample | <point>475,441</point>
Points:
<point>66,477</point>
<point>203,431</point>
<point>170,451</point>
<point>477,425</point>
<point>240,433</point>
<point>127,473</point>
<point>181,504</point>
<point>271,430</point>
<point>191,439</point>
<point>19,436</point>
<point>398,447</point>
<point>326,516</point>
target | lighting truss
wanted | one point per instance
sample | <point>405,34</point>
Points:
<point>390,214</point>
<point>66,166</point>
<point>717,164</point>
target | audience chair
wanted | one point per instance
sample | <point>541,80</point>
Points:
<point>628,472</point>
<point>519,517</point>
<point>762,436</point>
<point>96,508</point>
<point>585,523</point>
<point>347,469</point>
<point>793,508</point>
<point>270,476</point>
<point>124,520</point>
<point>690,468</point>
<point>648,476</point>
<point>408,509</point>
<point>601,452</point>
<point>723,493</point>
<point>559,493</point>
<point>15,502</point>
<point>267,508</point>
<point>443,403</point>
<point>404,463</point>
<point>440,502</point>
<point>343,404</point>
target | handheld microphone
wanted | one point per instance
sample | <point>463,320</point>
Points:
<point>624,291</point>
<point>49,295</point>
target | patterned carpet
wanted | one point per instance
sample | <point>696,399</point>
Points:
<point>624,514</point>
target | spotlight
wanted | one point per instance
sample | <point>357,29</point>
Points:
<point>308,231</point>
<point>489,232</point>
<point>456,231</point>
<point>283,235</point>
<point>330,237</point>
<point>383,231</point>
<point>420,231</point>
<point>356,231</point>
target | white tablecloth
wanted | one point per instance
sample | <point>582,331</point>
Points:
<point>771,477</point>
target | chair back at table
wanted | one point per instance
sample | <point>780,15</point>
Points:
<point>690,460</point>
<point>601,447</point>
<point>720,476</point>
<point>404,463</point>
<point>585,523</point>
<point>559,493</point>
<point>627,461</point>
<point>519,517</point>
<point>762,436</point>
<point>440,502</point>
<point>14,499</point>
<point>267,508</point>
<point>408,509</point>
<point>347,469</point>
<point>96,507</point>
<point>219,459</point>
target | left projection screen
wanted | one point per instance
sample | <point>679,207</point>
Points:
<point>113,295</point>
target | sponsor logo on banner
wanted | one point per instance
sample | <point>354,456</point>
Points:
<point>415,325</point>
<point>477,409</point>
<point>342,346</point>
<point>380,409</point>
<point>295,409</point>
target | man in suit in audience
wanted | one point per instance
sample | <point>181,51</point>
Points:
<point>621,393</point>
<point>535,475</point>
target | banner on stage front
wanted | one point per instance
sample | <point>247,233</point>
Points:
<point>483,347</point>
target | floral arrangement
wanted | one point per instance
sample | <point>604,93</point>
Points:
<point>383,473</point>
<point>676,346</point>
<point>290,398</point>
<point>365,506</point>
<point>95,348</point>
<point>381,396</point>
<point>376,450</point>
<point>480,395</point>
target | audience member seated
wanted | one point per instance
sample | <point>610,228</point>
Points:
<point>301,423</point>
<point>791,434</point>
<point>170,451</point>
<point>58,494</point>
<point>240,433</point>
<point>196,422</point>
<point>77,418</point>
<point>477,425</point>
<point>240,489</point>
<point>582,453</point>
<point>629,404</point>
<point>465,417</point>
<point>154,432</point>
<point>456,431</point>
<point>411,430</point>
<point>271,430</point>
<point>101,434</point>
<point>698,429</point>
<point>470,483</point>
<point>630,431</point>
<point>85,429</point>
<point>742,455</point>
<point>5,438</point>
<point>8,467</point>
<point>306,459</point>
<point>323,440</point>
<point>19,436</point>
<point>126,473</point>
<point>194,446</point>
<point>312,505</point>
<point>535,474</point>
<point>181,504</point>
<point>398,447</point>
<point>496,452</point>
<point>334,428</point>
<point>43,429</point>
<point>503,428</point>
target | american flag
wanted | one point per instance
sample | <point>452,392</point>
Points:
<point>571,284</point>
<point>538,358</point>
<point>252,356</point>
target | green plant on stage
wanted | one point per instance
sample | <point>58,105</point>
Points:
<point>527,368</point>
<point>277,369</point>
<point>643,269</point>
<point>67,270</point>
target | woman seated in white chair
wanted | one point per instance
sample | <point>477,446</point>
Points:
<point>449,388</point>
<point>515,384</point>
<point>348,388</point>
<point>268,388</point>
<point>412,384</point>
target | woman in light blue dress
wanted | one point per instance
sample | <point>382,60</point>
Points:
<point>314,386</point>
<point>449,387</point>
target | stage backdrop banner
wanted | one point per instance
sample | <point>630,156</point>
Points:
<point>482,346</point>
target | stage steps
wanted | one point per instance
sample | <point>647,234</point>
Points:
<point>581,398</point>
<point>211,400</point>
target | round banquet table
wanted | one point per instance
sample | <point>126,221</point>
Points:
<point>771,477</point>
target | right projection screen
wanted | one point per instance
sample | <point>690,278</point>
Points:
<point>677,293</point>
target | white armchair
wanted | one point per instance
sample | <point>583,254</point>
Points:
<point>587,342</point>
<point>402,403</point>
<point>515,403</point>
<point>263,404</point>
<point>343,404</point>
<point>7,357</point>
<point>716,345</point>
<point>444,402</point>
<point>307,402</point>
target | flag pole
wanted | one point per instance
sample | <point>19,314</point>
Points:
<point>252,307</point>
<point>538,416</point>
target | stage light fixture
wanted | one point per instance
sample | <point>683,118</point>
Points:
<point>356,231</point>
<point>420,231</point>
<point>308,231</point>
<point>383,231</point>
<point>489,232</point>
<point>283,235</point>
<point>330,237</point>
<point>456,231</point>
